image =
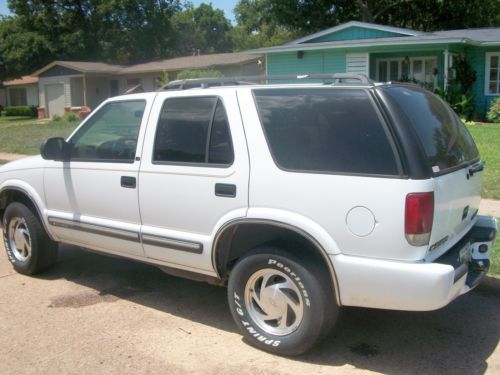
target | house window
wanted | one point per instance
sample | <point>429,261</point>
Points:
<point>420,69</point>
<point>17,96</point>
<point>492,80</point>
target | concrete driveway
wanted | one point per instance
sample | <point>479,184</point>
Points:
<point>94,314</point>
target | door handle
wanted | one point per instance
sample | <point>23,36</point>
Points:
<point>225,190</point>
<point>128,182</point>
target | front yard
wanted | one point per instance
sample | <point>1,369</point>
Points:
<point>23,135</point>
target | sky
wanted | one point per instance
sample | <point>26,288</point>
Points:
<point>226,5</point>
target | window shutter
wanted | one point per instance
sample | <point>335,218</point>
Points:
<point>357,63</point>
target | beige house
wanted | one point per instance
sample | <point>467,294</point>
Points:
<point>65,86</point>
<point>22,91</point>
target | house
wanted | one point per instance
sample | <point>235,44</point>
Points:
<point>387,53</point>
<point>70,85</point>
<point>22,91</point>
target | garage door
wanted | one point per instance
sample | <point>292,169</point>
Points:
<point>55,100</point>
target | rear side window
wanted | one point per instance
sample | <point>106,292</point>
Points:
<point>193,130</point>
<point>325,130</point>
<point>445,140</point>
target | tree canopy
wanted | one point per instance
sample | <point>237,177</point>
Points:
<point>133,31</point>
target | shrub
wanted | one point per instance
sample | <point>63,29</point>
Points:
<point>71,117</point>
<point>200,73</point>
<point>56,118</point>
<point>21,110</point>
<point>493,114</point>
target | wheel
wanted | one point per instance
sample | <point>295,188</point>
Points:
<point>281,304</point>
<point>29,248</point>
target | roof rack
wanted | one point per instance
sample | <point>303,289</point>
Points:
<point>336,78</point>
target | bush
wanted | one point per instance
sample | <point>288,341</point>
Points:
<point>56,118</point>
<point>200,73</point>
<point>21,110</point>
<point>493,114</point>
<point>71,117</point>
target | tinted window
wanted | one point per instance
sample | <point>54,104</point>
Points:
<point>446,141</point>
<point>110,134</point>
<point>328,130</point>
<point>189,127</point>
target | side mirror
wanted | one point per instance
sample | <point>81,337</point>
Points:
<point>54,149</point>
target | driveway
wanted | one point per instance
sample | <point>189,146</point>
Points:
<point>94,314</point>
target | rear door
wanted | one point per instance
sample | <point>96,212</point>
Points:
<point>452,158</point>
<point>193,176</point>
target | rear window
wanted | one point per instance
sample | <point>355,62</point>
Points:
<point>446,142</point>
<point>325,130</point>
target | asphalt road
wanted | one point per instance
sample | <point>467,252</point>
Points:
<point>94,314</point>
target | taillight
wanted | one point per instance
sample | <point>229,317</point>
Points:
<point>419,213</point>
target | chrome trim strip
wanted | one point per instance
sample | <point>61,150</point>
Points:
<point>282,225</point>
<point>94,229</point>
<point>190,247</point>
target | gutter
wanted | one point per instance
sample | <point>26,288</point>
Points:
<point>308,47</point>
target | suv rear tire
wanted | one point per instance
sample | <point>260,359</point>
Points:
<point>29,248</point>
<point>281,304</point>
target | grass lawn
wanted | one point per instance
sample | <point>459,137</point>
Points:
<point>495,259</point>
<point>23,135</point>
<point>487,138</point>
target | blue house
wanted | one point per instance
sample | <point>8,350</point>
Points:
<point>387,53</point>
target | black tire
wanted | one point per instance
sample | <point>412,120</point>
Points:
<point>29,248</point>
<point>285,278</point>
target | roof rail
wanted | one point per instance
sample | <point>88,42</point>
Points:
<point>336,78</point>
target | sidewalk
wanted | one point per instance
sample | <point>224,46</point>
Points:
<point>10,157</point>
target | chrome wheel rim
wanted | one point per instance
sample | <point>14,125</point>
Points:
<point>274,302</point>
<point>19,239</point>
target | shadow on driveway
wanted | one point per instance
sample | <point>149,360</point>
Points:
<point>456,339</point>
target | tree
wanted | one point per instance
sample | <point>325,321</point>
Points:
<point>307,16</point>
<point>202,29</point>
<point>21,51</point>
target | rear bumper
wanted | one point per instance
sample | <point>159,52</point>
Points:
<point>375,283</point>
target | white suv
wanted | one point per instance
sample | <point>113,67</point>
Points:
<point>301,198</point>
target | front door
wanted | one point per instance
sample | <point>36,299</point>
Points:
<point>193,178</point>
<point>92,198</point>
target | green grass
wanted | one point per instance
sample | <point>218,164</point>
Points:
<point>3,161</point>
<point>23,135</point>
<point>495,260</point>
<point>487,138</point>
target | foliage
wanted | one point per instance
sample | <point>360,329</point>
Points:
<point>201,73</point>
<point>22,110</point>
<point>201,30</point>
<point>459,91</point>
<point>487,138</point>
<point>307,16</point>
<point>163,79</point>
<point>70,117</point>
<point>134,31</point>
<point>493,114</point>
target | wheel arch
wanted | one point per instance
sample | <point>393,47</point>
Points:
<point>232,241</point>
<point>16,193</point>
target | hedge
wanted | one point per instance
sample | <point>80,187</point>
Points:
<point>21,110</point>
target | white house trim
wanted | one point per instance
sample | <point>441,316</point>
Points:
<point>364,25</point>
<point>487,74</point>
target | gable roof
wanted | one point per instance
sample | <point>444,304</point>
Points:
<point>82,66</point>
<point>24,80</point>
<point>364,25</point>
<point>178,63</point>
<point>478,37</point>
<point>191,62</point>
